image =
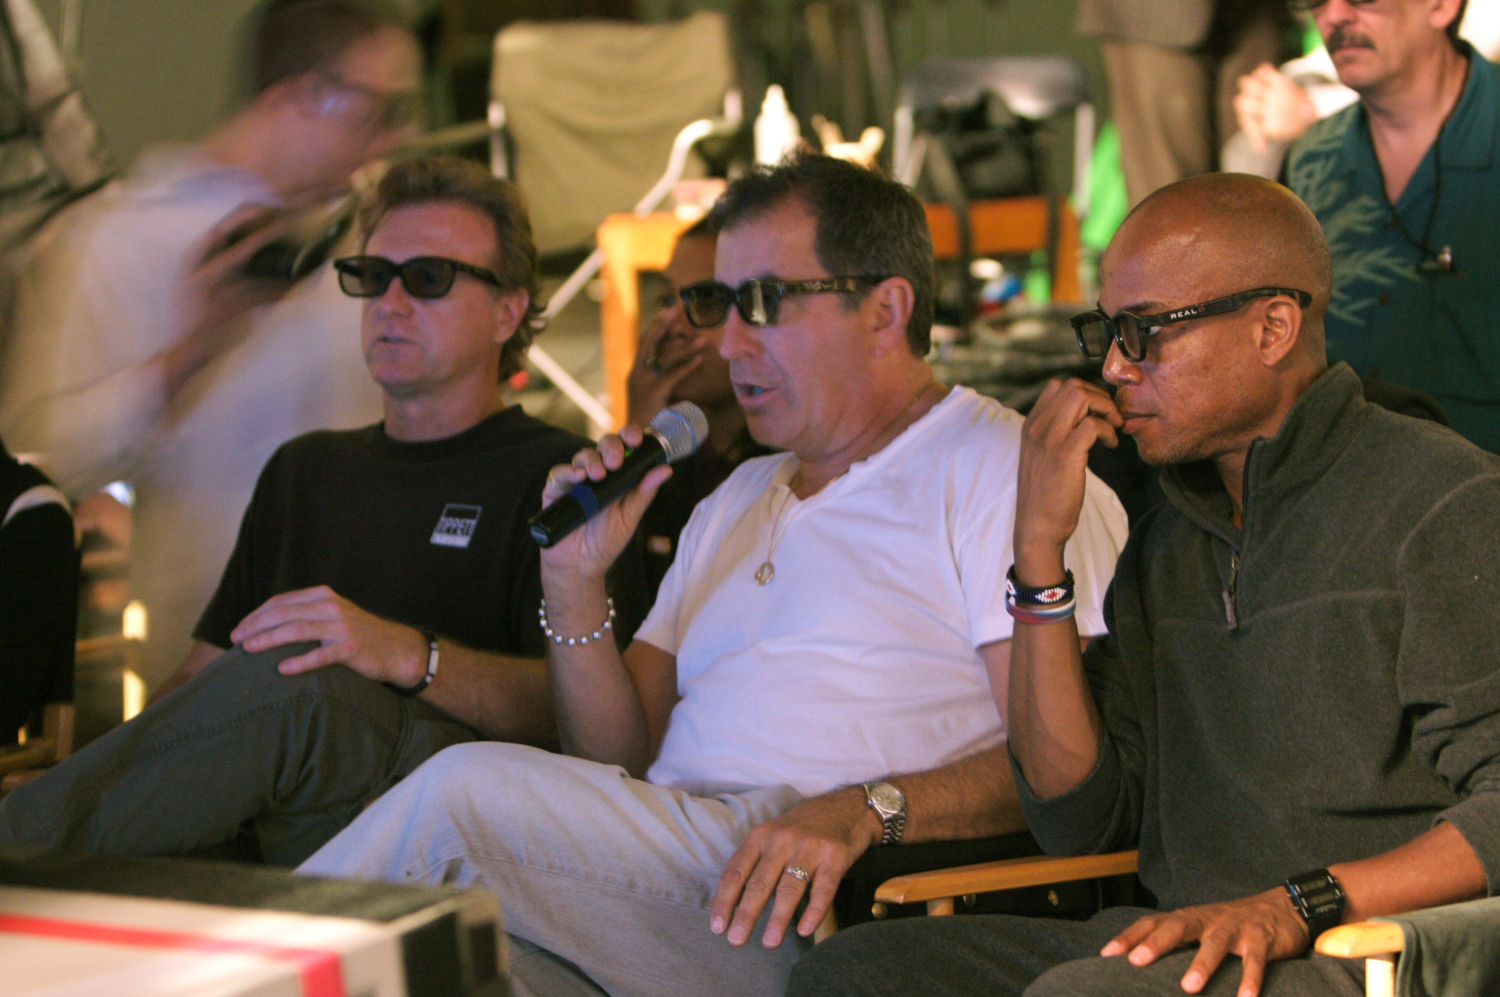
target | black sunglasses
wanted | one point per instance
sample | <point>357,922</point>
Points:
<point>1302,6</point>
<point>422,276</point>
<point>706,304</point>
<point>1095,329</point>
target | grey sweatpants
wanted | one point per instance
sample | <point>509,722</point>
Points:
<point>605,880</point>
<point>300,755</point>
<point>1004,956</point>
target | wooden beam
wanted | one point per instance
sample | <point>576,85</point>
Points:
<point>1009,874</point>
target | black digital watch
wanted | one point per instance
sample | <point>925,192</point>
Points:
<point>1319,898</point>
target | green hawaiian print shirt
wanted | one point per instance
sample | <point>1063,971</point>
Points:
<point>1435,332</point>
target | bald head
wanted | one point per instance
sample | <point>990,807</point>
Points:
<point>1209,386</point>
<point>1219,233</point>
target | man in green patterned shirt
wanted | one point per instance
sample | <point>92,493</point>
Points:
<point>1406,184</point>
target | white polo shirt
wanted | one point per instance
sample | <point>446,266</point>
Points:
<point>860,658</point>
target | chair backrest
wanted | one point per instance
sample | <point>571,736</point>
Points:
<point>1036,88</point>
<point>593,108</point>
<point>1033,87</point>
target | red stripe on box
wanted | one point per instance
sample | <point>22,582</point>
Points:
<point>319,971</point>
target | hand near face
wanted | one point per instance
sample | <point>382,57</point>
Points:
<point>376,648</point>
<point>664,360</point>
<point>1258,929</point>
<point>1069,417</point>
<point>590,550</point>
<point>1271,107</point>
<point>823,836</point>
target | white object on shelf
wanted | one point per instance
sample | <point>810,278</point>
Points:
<point>777,129</point>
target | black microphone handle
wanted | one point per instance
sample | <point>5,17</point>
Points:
<point>586,499</point>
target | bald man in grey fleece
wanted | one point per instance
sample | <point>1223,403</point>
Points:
<point>1300,682</point>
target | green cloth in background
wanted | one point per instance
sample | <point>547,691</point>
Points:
<point>1108,203</point>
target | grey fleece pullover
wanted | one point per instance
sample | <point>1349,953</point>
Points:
<point>1321,686</point>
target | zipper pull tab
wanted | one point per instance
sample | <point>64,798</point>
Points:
<point>1234,573</point>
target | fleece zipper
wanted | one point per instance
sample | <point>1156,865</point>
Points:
<point>1234,576</point>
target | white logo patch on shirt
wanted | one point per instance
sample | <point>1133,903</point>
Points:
<point>456,525</point>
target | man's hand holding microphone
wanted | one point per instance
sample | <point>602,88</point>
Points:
<point>590,509</point>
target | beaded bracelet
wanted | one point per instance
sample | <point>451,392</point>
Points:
<point>432,667</point>
<point>1039,605</point>
<point>557,638</point>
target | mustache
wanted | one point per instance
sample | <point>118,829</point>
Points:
<point>1344,38</point>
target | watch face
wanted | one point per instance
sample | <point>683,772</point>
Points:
<point>887,798</point>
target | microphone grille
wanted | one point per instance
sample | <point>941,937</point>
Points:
<point>682,428</point>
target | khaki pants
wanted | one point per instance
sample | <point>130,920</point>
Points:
<point>605,880</point>
<point>1175,109</point>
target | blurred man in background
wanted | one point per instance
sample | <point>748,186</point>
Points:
<point>142,352</point>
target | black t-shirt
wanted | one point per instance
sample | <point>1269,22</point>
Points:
<point>38,600</point>
<point>429,534</point>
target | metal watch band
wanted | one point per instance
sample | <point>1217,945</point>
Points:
<point>432,667</point>
<point>1319,898</point>
<point>892,822</point>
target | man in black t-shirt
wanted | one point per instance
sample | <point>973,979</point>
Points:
<point>398,551</point>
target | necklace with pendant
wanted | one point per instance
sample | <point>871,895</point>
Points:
<point>766,573</point>
<point>767,570</point>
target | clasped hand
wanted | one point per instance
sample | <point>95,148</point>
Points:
<point>1259,929</point>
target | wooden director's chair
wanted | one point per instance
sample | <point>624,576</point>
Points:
<point>1377,942</point>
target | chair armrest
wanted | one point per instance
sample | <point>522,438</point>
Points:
<point>1007,874</point>
<point>1360,941</point>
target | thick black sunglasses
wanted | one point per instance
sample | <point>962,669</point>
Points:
<point>706,304</point>
<point>1095,330</point>
<point>1301,6</point>
<point>422,276</point>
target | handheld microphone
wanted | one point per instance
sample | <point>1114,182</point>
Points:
<point>676,432</point>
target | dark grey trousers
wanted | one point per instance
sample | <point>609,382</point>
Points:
<point>298,755</point>
<point>1003,956</point>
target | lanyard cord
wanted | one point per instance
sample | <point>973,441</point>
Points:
<point>1424,247</point>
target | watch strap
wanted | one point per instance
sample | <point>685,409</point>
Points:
<point>432,667</point>
<point>1319,898</point>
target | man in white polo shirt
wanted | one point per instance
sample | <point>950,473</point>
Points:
<point>825,666</point>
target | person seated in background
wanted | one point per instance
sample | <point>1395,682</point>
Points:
<point>676,362</point>
<point>1298,685</point>
<point>1276,106</point>
<point>1406,184</point>
<point>128,360</point>
<point>381,601</point>
<point>824,669</point>
<point>38,595</point>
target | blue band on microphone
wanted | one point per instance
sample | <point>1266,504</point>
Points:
<point>586,498</point>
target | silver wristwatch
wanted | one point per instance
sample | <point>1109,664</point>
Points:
<point>890,804</point>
